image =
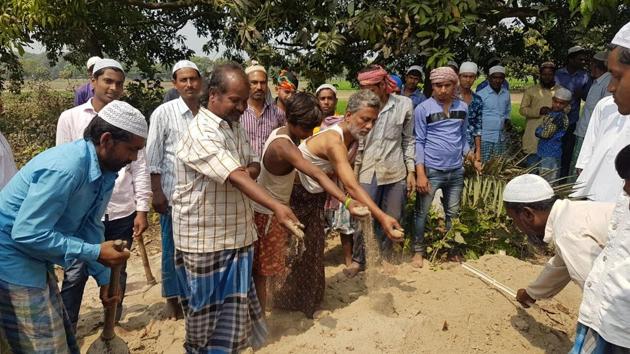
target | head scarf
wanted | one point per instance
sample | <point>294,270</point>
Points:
<point>287,80</point>
<point>397,80</point>
<point>376,76</point>
<point>443,74</point>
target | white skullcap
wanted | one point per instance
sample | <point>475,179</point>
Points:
<point>575,49</point>
<point>107,63</point>
<point>452,63</point>
<point>468,67</point>
<point>255,67</point>
<point>122,115</point>
<point>563,94</point>
<point>324,87</point>
<point>414,67</point>
<point>527,188</point>
<point>497,69</point>
<point>601,56</point>
<point>185,64</point>
<point>622,38</point>
<point>92,61</point>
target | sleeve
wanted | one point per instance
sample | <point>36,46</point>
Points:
<point>553,278</point>
<point>474,118</point>
<point>420,132</point>
<point>155,142</point>
<point>527,110</point>
<point>408,144</point>
<point>508,107</point>
<point>464,129</point>
<point>63,129</point>
<point>590,139</point>
<point>206,153</point>
<point>34,226</point>
<point>141,182</point>
<point>93,230</point>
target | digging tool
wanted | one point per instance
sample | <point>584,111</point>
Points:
<point>145,261</point>
<point>108,342</point>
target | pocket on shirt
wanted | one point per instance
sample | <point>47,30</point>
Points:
<point>393,132</point>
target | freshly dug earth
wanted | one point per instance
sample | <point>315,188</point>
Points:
<point>430,310</point>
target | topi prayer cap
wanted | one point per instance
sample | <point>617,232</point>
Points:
<point>324,87</point>
<point>185,64</point>
<point>575,49</point>
<point>527,188</point>
<point>548,64</point>
<point>255,67</point>
<point>417,68</point>
<point>601,56</point>
<point>452,63</point>
<point>92,61</point>
<point>468,67</point>
<point>497,69</point>
<point>622,38</point>
<point>122,115</point>
<point>563,94</point>
<point>107,63</point>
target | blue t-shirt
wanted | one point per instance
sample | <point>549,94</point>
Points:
<point>552,147</point>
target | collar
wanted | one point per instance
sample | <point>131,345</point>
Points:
<point>553,215</point>
<point>94,168</point>
<point>603,77</point>
<point>182,106</point>
<point>87,106</point>
<point>391,101</point>
<point>454,104</point>
<point>216,119</point>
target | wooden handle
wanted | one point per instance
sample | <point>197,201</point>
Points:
<point>145,261</point>
<point>114,286</point>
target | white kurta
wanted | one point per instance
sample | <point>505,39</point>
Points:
<point>608,132</point>
<point>7,162</point>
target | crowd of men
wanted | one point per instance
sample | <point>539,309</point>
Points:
<point>246,186</point>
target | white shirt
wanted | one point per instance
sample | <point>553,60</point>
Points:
<point>168,122</point>
<point>598,90</point>
<point>608,133</point>
<point>7,162</point>
<point>606,301</point>
<point>133,179</point>
<point>578,231</point>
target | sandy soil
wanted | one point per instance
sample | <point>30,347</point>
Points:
<point>431,310</point>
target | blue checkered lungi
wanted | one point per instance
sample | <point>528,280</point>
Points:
<point>490,150</point>
<point>33,320</point>
<point>587,341</point>
<point>221,308</point>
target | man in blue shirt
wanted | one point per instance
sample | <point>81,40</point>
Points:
<point>578,81</point>
<point>410,88</point>
<point>50,213</point>
<point>495,117</point>
<point>441,135</point>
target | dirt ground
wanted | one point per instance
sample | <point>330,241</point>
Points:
<point>431,310</point>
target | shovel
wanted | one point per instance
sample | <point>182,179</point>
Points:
<point>108,342</point>
<point>145,263</point>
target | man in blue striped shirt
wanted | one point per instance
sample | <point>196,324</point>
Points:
<point>441,134</point>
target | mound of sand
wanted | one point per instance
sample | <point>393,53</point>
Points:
<point>443,309</point>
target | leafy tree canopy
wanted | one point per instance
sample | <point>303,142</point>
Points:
<point>318,38</point>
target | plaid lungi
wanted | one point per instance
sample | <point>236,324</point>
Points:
<point>587,341</point>
<point>221,309</point>
<point>490,150</point>
<point>33,320</point>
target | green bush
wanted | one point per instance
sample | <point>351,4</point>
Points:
<point>30,119</point>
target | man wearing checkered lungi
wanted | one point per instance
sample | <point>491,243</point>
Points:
<point>213,222</point>
<point>50,213</point>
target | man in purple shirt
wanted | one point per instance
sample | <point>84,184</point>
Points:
<point>441,144</point>
<point>86,91</point>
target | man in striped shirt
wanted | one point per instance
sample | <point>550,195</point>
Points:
<point>262,116</point>
<point>168,122</point>
<point>213,224</point>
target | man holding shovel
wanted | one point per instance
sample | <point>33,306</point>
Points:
<point>50,213</point>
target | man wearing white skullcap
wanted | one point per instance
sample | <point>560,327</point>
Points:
<point>51,214</point>
<point>86,91</point>
<point>168,122</point>
<point>410,89</point>
<point>126,214</point>
<point>262,116</point>
<point>578,231</point>
<point>467,76</point>
<point>497,107</point>
<point>604,319</point>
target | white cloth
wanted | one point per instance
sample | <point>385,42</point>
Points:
<point>578,230</point>
<point>279,187</point>
<point>324,87</point>
<point>126,117</point>
<point>107,63</point>
<point>7,162</point>
<point>598,90</point>
<point>563,94</point>
<point>497,69</point>
<point>307,182</point>
<point>527,188</point>
<point>607,133</point>
<point>185,64</point>
<point>622,37</point>
<point>606,300</point>
<point>168,122</point>
<point>468,67</point>
<point>132,191</point>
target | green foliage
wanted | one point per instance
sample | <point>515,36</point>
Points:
<point>144,95</point>
<point>30,119</point>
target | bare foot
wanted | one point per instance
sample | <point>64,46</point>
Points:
<point>173,310</point>
<point>352,270</point>
<point>417,261</point>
